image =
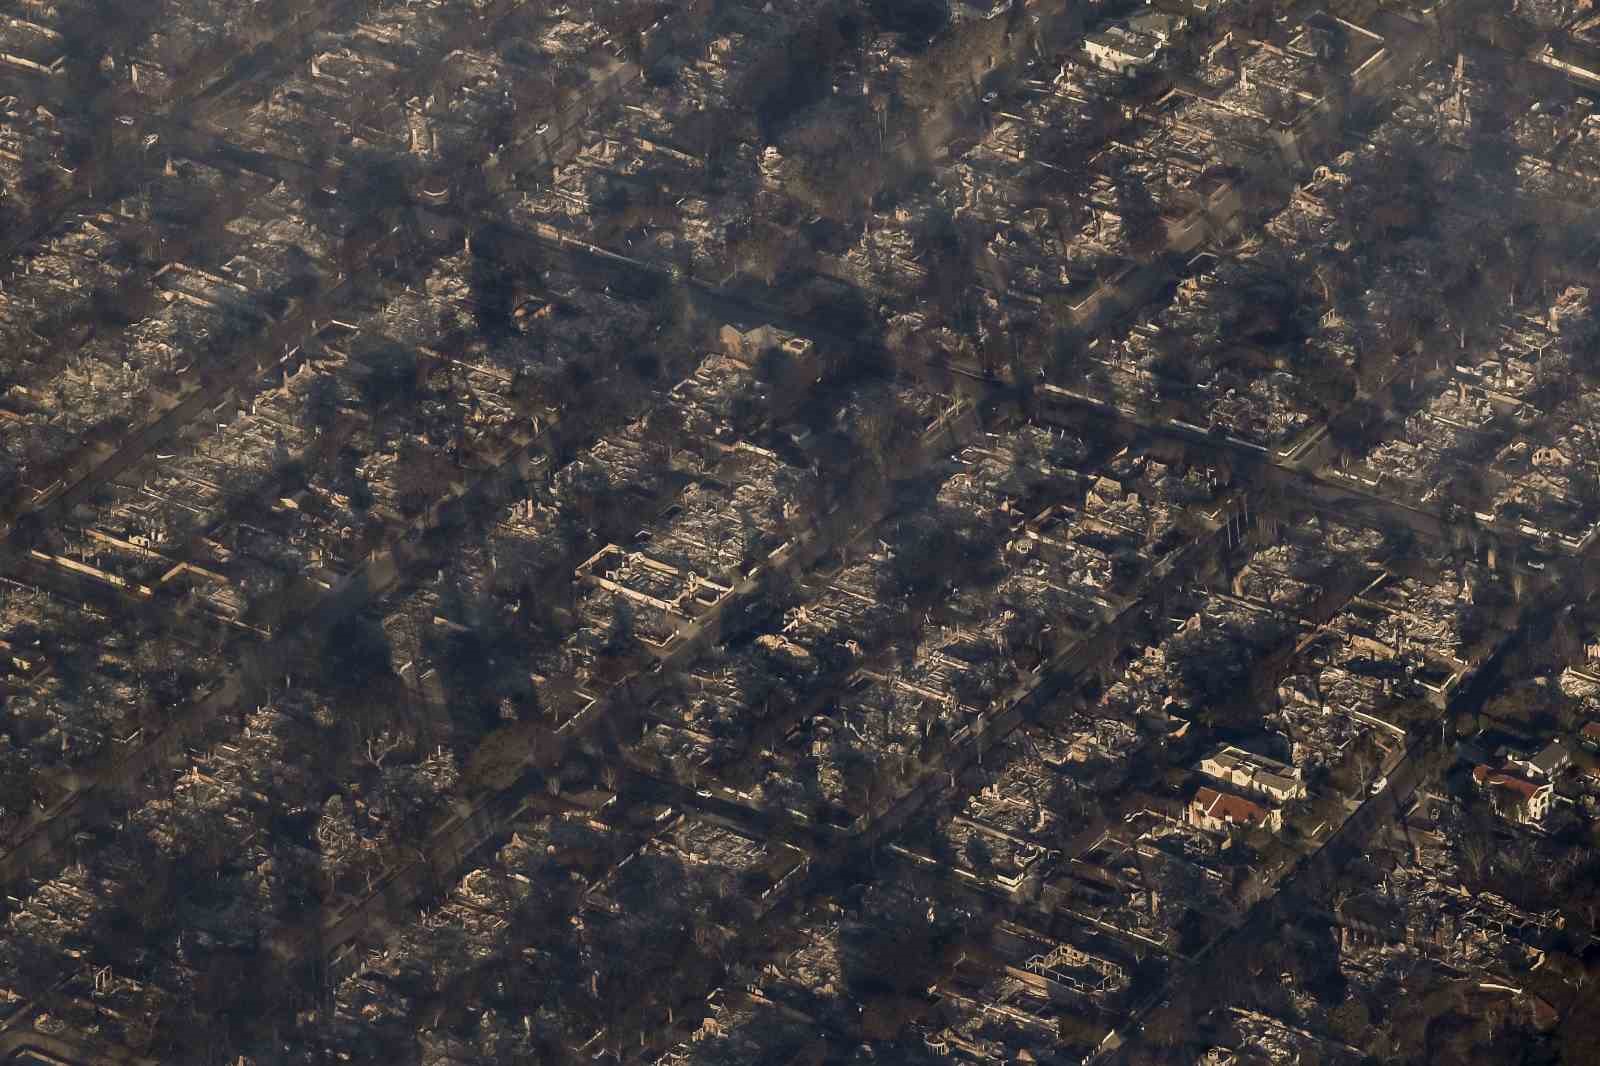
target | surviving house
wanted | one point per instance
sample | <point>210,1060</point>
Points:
<point>1515,798</point>
<point>1220,811</point>
<point>1120,50</point>
<point>1254,773</point>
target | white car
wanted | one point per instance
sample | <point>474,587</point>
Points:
<point>1379,785</point>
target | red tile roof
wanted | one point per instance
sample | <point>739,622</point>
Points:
<point>1483,775</point>
<point>1236,809</point>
